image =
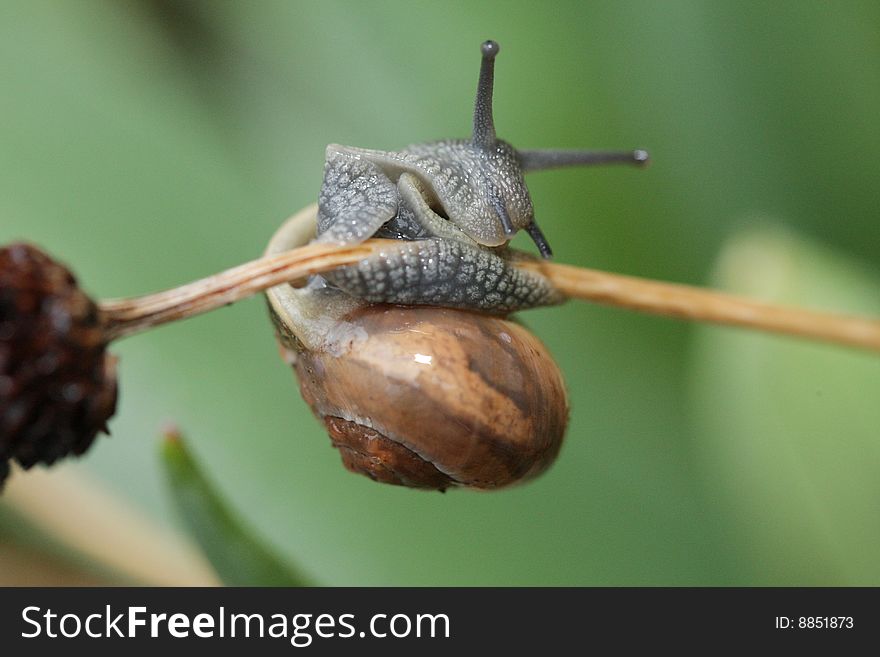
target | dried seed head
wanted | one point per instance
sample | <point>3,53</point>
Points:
<point>57,382</point>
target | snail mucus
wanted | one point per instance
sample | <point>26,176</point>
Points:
<point>408,357</point>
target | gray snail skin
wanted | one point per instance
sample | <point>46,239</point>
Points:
<point>407,356</point>
<point>453,205</point>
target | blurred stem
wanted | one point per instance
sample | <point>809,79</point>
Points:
<point>77,517</point>
<point>128,316</point>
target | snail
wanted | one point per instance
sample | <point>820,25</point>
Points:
<point>421,396</point>
<point>408,356</point>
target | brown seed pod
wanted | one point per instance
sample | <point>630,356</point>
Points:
<point>420,396</point>
<point>57,382</point>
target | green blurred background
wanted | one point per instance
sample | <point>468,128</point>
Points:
<point>149,143</point>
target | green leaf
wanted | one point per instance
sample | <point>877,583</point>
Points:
<point>789,431</point>
<point>239,558</point>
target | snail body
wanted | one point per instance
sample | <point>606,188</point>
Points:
<point>454,205</point>
<point>407,356</point>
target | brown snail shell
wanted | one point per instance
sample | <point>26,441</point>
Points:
<point>421,396</point>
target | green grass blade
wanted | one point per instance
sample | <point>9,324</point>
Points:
<point>239,558</point>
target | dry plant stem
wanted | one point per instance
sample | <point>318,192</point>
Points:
<point>699,304</point>
<point>125,317</point>
<point>129,316</point>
